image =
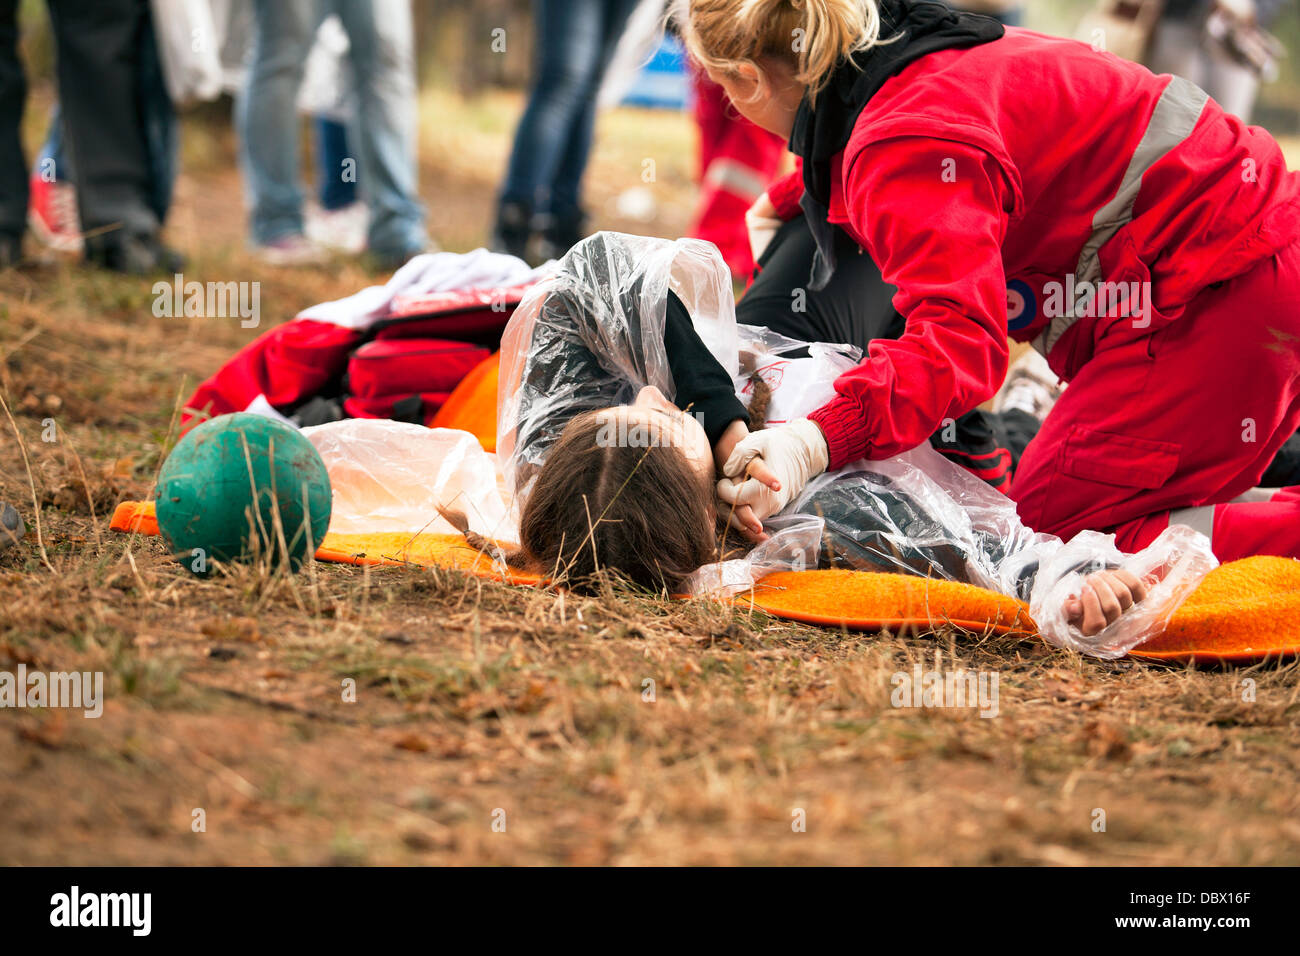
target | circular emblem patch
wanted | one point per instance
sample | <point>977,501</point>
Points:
<point>1022,306</point>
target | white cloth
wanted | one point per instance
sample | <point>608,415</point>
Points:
<point>188,48</point>
<point>432,272</point>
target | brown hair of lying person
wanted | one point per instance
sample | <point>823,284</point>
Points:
<point>640,512</point>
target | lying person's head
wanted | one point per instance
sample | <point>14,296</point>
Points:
<point>626,489</point>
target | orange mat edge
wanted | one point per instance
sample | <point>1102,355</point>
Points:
<point>140,517</point>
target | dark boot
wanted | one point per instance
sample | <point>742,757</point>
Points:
<point>132,255</point>
<point>12,528</point>
<point>513,229</point>
<point>559,233</point>
<point>11,251</point>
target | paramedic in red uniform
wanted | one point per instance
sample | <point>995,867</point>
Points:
<point>1147,243</point>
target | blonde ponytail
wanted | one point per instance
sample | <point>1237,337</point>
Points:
<point>813,36</point>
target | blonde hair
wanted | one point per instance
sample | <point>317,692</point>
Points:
<point>813,36</point>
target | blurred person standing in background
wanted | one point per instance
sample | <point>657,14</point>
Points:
<point>1010,13</point>
<point>573,42</point>
<point>52,211</point>
<point>1220,45</point>
<point>381,54</point>
<point>100,71</point>
<point>737,161</point>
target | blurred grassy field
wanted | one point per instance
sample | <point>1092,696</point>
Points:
<point>478,702</point>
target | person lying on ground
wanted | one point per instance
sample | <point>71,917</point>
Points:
<point>618,406</point>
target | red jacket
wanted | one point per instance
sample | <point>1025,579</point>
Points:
<point>1010,173</point>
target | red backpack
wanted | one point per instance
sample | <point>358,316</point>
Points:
<point>406,379</point>
<point>402,366</point>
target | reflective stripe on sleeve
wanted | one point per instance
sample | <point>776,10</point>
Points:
<point>736,178</point>
<point>1172,121</point>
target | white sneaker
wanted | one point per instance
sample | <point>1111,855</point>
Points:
<point>291,250</point>
<point>1031,386</point>
<point>341,229</point>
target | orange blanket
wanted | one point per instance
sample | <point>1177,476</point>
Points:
<point>1245,611</point>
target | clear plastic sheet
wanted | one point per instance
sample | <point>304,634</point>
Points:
<point>801,375</point>
<point>1172,565</point>
<point>608,295</point>
<point>792,545</point>
<point>920,514</point>
<point>915,514</point>
<point>392,476</point>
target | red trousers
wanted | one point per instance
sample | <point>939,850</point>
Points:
<point>1185,421</point>
<point>737,162</point>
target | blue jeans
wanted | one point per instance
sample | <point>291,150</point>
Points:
<point>333,191</point>
<point>380,48</point>
<point>574,42</point>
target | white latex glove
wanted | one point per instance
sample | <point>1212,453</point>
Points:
<point>762,223</point>
<point>794,453</point>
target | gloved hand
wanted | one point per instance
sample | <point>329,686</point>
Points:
<point>794,453</point>
<point>762,222</point>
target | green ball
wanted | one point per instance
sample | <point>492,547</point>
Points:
<point>223,485</point>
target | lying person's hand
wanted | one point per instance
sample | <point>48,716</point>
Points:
<point>741,517</point>
<point>768,469</point>
<point>1106,595</point>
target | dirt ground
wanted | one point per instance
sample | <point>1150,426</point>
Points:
<point>500,725</point>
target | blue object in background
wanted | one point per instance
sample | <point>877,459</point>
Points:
<point>664,82</point>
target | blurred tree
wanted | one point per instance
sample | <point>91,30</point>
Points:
<point>473,44</point>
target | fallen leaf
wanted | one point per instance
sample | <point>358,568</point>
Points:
<point>1103,739</point>
<point>242,629</point>
<point>48,733</point>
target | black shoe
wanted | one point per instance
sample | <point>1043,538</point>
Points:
<point>559,234</point>
<point>513,229</point>
<point>11,251</point>
<point>133,255</point>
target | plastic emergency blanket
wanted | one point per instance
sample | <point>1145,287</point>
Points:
<point>592,334</point>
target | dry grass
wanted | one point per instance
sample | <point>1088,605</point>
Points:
<point>475,700</point>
